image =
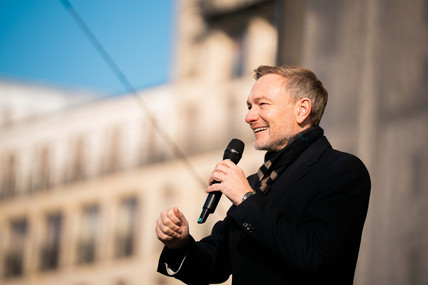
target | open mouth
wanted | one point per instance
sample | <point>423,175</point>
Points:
<point>259,129</point>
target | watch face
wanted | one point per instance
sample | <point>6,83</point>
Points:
<point>247,195</point>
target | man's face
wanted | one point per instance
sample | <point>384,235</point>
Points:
<point>271,113</point>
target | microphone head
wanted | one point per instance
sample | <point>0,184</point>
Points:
<point>234,150</point>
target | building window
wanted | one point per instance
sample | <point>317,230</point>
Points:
<point>76,161</point>
<point>14,255</point>
<point>8,183</point>
<point>126,227</point>
<point>191,116</point>
<point>43,171</point>
<point>49,255</point>
<point>239,52</point>
<point>234,111</point>
<point>77,167</point>
<point>86,248</point>
<point>112,151</point>
<point>154,147</point>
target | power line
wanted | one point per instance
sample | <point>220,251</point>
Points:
<point>130,89</point>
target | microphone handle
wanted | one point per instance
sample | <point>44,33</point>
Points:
<point>210,205</point>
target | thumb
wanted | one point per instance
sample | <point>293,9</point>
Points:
<point>180,216</point>
<point>177,213</point>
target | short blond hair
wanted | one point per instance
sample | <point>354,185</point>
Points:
<point>301,83</point>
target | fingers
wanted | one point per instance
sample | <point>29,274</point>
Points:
<point>223,169</point>
<point>169,224</point>
<point>162,236</point>
<point>164,232</point>
<point>220,170</point>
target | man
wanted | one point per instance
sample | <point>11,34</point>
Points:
<point>299,219</point>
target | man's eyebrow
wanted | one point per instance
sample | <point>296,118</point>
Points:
<point>258,98</point>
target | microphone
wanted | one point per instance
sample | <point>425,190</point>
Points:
<point>233,152</point>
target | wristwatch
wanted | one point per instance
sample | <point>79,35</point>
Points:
<point>248,194</point>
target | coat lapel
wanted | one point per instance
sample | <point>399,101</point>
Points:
<point>290,176</point>
<point>298,168</point>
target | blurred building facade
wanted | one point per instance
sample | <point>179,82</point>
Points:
<point>372,55</point>
<point>83,181</point>
<point>81,185</point>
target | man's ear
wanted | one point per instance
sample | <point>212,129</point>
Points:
<point>303,109</point>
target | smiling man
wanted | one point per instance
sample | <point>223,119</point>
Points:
<point>299,219</point>
<point>275,117</point>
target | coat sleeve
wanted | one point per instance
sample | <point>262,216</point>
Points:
<point>206,261</point>
<point>335,206</point>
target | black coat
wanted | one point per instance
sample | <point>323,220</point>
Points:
<point>306,230</point>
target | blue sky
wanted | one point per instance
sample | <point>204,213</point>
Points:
<point>40,42</point>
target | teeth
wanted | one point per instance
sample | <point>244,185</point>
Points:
<point>259,129</point>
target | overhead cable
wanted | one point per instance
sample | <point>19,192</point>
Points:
<point>130,89</point>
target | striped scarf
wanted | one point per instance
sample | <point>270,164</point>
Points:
<point>276,162</point>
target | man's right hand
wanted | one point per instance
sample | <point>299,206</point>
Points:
<point>172,229</point>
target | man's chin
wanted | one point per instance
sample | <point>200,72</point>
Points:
<point>270,146</point>
<point>259,146</point>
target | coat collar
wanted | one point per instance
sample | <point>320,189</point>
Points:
<point>299,167</point>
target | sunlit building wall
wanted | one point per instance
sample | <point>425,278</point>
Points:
<point>83,184</point>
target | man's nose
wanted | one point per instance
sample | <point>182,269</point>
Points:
<point>251,116</point>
